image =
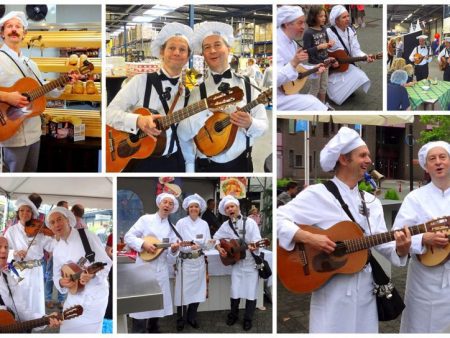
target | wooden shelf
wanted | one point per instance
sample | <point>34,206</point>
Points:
<point>81,97</point>
<point>64,39</point>
<point>58,65</point>
<point>91,118</point>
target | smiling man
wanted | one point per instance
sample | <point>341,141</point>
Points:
<point>159,226</point>
<point>214,40</point>
<point>346,304</point>
<point>429,313</point>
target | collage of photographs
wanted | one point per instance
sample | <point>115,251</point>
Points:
<point>258,168</point>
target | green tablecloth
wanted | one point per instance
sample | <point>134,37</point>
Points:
<point>437,92</point>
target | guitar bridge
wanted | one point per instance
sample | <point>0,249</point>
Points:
<point>112,147</point>
<point>2,119</point>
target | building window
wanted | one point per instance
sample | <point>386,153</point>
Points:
<point>291,126</point>
<point>291,158</point>
<point>298,161</point>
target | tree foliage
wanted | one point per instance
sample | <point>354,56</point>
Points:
<point>440,131</point>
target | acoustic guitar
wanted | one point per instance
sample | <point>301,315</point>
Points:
<point>11,118</point>
<point>443,63</point>
<point>345,60</point>
<point>293,87</point>
<point>218,133</point>
<point>418,58</point>
<point>236,251</point>
<point>73,271</point>
<point>148,256</point>
<point>305,269</point>
<point>121,146</point>
<point>9,325</point>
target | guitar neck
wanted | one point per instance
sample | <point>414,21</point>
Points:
<point>308,72</point>
<point>363,243</point>
<point>352,59</point>
<point>48,87</point>
<point>25,326</point>
<point>168,120</point>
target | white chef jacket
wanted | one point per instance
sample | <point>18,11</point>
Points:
<point>346,303</point>
<point>286,50</point>
<point>427,293</point>
<point>154,225</point>
<point>244,276</point>
<point>342,84</point>
<point>425,51</point>
<point>119,113</point>
<point>191,126</point>
<point>30,130</point>
<point>193,286</point>
<point>94,297</point>
<point>32,286</point>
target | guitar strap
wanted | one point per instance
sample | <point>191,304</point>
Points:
<point>89,254</point>
<point>333,28</point>
<point>37,78</point>
<point>331,186</point>
<point>12,298</point>
<point>174,230</point>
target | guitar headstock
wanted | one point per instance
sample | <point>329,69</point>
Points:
<point>86,68</point>
<point>229,96</point>
<point>262,243</point>
<point>95,267</point>
<point>378,56</point>
<point>72,312</point>
<point>265,96</point>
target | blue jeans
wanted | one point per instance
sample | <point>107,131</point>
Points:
<point>48,273</point>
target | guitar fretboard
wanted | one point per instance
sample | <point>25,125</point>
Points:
<point>42,90</point>
<point>168,120</point>
<point>358,244</point>
<point>24,326</point>
<point>352,59</point>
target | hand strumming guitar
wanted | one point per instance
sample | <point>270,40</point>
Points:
<point>221,250</point>
<point>438,239</point>
<point>241,119</point>
<point>316,241</point>
<point>148,247</point>
<point>300,56</point>
<point>67,283</point>
<point>15,99</point>
<point>147,125</point>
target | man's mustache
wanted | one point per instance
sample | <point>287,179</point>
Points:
<point>14,34</point>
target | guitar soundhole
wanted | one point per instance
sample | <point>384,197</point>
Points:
<point>134,138</point>
<point>14,113</point>
<point>218,126</point>
<point>324,262</point>
<point>124,149</point>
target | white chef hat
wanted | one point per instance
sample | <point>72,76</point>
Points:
<point>15,14</point>
<point>342,143</point>
<point>336,11</point>
<point>423,152</point>
<point>164,195</point>
<point>194,199</point>
<point>26,201</point>
<point>288,14</point>
<point>225,201</point>
<point>171,30</point>
<point>66,213</point>
<point>209,28</point>
<point>423,36</point>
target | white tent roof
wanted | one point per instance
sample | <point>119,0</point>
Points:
<point>92,192</point>
<point>373,120</point>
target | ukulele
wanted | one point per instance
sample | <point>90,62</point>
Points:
<point>148,256</point>
<point>218,133</point>
<point>293,87</point>
<point>73,271</point>
<point>305,269</point>
<point>9,325</point>
<point>344,59</point>
<point>11,118</point>
<point>236,251</point>
<point>121,146</point>
<point>418,58</point>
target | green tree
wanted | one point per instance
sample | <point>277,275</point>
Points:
<point>440,131</point>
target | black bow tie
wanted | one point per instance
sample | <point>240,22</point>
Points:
<point>218,77</point>
<point>172,80</point>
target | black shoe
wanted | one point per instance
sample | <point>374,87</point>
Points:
<point>247,325</point>
<point>194,324</point>
<point>180,325</point>
<point>231,320</point>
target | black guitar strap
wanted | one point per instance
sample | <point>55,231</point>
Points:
<point>37,78</point>
<point>89,254</point>
<point>340,39</point>
<point>174,230</point>
<point>335,191</point>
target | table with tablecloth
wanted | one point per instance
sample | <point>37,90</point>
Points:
<point>439,91</point>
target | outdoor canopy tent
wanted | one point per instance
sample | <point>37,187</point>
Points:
<point>92,192</point>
